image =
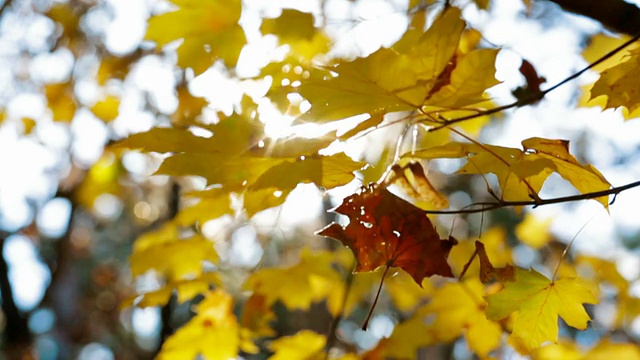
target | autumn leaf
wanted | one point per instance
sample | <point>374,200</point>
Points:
<point>292,25</point>
<point>412,180</point>
<point>385,230</point>
<point>488,271</point>
<point>521,173</point>
<point>305,344</point>
<point>466,86</point>
<point>531,90</point>
<point>539,302</point>
<point>182,258</point>
<point>212,204</point>
<point>189,109</point>
<point>209,30</point>
<point>619,83</point>
<point>185,289</point>
<point>382,82</point>
<point>407,337</point>
<point>213,332</point>
<point>257,316</point>
<point>585,178</point>
<point>459,309</point>
<point>534,231</point>
<point>297,287</point>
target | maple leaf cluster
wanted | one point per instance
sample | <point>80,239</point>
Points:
<point>434,81</point>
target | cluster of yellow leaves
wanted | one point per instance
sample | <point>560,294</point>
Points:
<point>617,85</point>
<point>213,332</point>
<point>182,267</point>
<point>430,72</point>
<point>236,158</point>
<point>521,173</point>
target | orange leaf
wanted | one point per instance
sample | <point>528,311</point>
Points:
<point>385,230</point>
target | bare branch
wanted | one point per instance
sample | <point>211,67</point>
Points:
<point>488,206</point>
<point>617,15</point>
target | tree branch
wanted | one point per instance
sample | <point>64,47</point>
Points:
<point>617,15</point>
<point>488,206</point>
<point>536,96</point>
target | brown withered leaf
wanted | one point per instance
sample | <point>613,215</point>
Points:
<point>385,230</point>
<point>488,272</point>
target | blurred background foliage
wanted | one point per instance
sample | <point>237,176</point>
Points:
<point>79,75</point>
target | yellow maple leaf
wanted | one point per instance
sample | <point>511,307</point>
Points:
<point>437,46</point>
<point>619,83</point>
<point>189,107</point>
<point>305,344</point>
<point>539,302</point>
<point>585,178</point>
<point>459,309</point>
<point>209,30</point>
<point>213,204</point>
<point>257,315</point>
<point>429,73</point>
<point>382,82</point>
<point>534,231</point>
<point>185,289</point>
<point>311,280</point>
<point>213,332</point>
<point>407,337</point>
<point>325,171</point>
<point>181,259</point>
<point>466,85</point>
<point>521,173</point>
<point>292,25</point>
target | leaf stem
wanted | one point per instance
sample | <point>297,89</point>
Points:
<point>375,301</point>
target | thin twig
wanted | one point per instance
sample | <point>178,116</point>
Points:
<point>488,206</point>
<point>4,7</point>
<point>537,96</point>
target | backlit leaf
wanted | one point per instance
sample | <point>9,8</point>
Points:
<point>231,172</point>
<point>305,344</point>
<point>209,30</point>
<point>473,74</point>
<point>178,259</point>
<point>539,302</point>
<point>292,25</point>
<point>458,309</point>
<point>213,332</point>
<point>619,83</point>
<point>297,287</point>
<point>324,171</point>
<point>534,231</point>
<point>521,173</point>
<point>385,230</point>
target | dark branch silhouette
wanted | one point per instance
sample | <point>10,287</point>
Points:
<point>487,206</point>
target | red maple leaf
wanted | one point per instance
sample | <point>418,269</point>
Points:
<point>385,230</point>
